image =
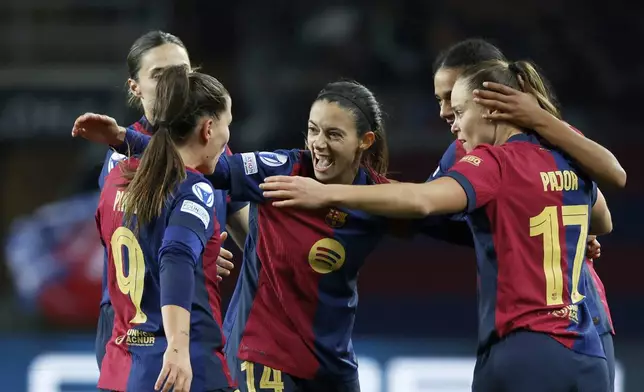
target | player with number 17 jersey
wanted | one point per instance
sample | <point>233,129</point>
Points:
<point>548,198</point>
<point>134,354</point>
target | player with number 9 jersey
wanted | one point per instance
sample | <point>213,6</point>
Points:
<point>135,351</point>
<point>157,221</point>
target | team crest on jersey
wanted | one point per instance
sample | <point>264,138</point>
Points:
<point>115,158</point>
<point>204,193</point>
<point>472,159</point>
<point>326,255</point>
<point>336,218</point>
<point>272,159</point>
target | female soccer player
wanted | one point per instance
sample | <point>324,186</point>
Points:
<point>523,110</point>
<point>296,297</point>
<point>148,56</point>
<point>530,211</point>
<point>156,218</point>
<point>540,114</point>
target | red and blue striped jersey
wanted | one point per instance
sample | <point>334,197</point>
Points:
<point>296,298</point>
<point>135,351</point>
<point>529,210</point>
<point>294,304</point>
<point>596,296</point>
<point>112,159</point>
<point>223,205</point>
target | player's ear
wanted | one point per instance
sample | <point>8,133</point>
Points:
<point>206,132</point>
<point>135,89</point>
<point>367,140</point>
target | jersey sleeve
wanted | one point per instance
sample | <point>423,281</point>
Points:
<point>453,154</point>
<point>134,144</point>
<point>479,173</point>
<point>193,210</point>
<point>232,206</point>
<point>242,173</point>
<point>112,159</point>
<point>593,195</point>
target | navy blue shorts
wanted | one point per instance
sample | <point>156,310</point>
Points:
<point>609,349</point>
<point>534,362</point>
<point>260,378</point>
<point>103,331</point>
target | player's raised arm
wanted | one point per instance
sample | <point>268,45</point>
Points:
<point>540,115</point>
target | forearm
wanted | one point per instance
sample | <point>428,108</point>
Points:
<point>177,281</point>
<point>131,142</point>
<point>237,227</point>
<point>399,200</point>
<point>598,162</point>
<point>176,323</point>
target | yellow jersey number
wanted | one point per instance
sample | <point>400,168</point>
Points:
<point>546,224</point>
<point>271,378</point>
<point>130,282</point>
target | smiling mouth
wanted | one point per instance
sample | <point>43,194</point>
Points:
<point>322,163</point>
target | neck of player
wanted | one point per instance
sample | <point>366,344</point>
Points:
<point>189,157</point>
<point>504,131</point>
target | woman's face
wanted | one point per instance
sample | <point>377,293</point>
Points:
<point>152,63</point>
<point>444,80</point>
<point>333,140</point>
<point>469,126</point>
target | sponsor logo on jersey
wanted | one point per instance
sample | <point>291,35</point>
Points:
<point>326,255</point>
<point>249,162</point>
<point>196,209</point>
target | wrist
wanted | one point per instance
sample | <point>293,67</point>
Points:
<point>331,195</point>
<point>180,338</point>
<point>542,122</point>
<point>120,136</point>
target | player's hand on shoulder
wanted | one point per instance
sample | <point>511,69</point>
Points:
<point>508,104</point>
<point>594,248</point>
<point>176,374</point>
<point>98,128</point>
<point>295,191</point>
<point>224,263</point>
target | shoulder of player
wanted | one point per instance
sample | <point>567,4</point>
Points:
<point>196,186</point>
<point>281,156</point>
<point>300,161</point>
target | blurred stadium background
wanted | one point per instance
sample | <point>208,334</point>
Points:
<point>417,321</point>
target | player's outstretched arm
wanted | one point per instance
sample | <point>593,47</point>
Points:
<point>520,108</point>
<point>400,200</point>
<point>600,218</point>
<point>103,129</point>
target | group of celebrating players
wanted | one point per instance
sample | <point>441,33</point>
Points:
<point>519,185</point>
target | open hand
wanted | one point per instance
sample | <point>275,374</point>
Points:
<point>176,374</point>
<point>508,104</point>
<point>295,191</point>
<point>98,128</point>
